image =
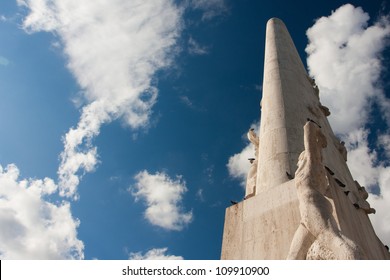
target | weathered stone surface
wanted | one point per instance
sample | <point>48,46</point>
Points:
<point>258,228</point>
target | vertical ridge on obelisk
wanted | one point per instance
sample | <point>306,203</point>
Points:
<point>315,211</point>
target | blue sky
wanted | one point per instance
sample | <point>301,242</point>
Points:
<point>122,123</point>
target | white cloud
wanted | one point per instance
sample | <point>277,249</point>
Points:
<point>30,226</point>
<point>163,197</point>
<point>154,254</point>
<point>368,172</point>
<point>238,165</point>
<point>195,48</point>
<point>210,8</point>
<point>114,48</point>
<point>361,161</point>
<point>344,58</point>
<point>384,142</point>
<point>381,203</point>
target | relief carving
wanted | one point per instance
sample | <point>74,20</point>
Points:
<point>315,87</point>
<point>362,203</point>
<point>325,110</point>
<point>342,150</point>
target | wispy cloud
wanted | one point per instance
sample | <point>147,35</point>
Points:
<point>195,48</point>
<point>163,197</point>
<point>210,8</point>
<point>154,254</point>
<point>186,100</point>
<point>344,56</point>
<point>200,195</point>
<point>31,227</point>
<point>259,87</point>
<point>209,172</point>
<point>3,61</point>
<point>114,48</point>
<point>190,103</point>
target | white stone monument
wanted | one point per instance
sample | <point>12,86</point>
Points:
<point>302,202</point>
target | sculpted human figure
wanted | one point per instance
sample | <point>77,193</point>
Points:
<point>254,140</point>
<point>362,200</point>
<point>317,221</point>
<point>252,174</point>
<point>343,150</point>
<point>314,85</point>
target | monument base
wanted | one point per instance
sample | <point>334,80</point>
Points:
<point>263,226</point>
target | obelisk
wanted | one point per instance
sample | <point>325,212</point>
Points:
<point>274,222</point>
<point>285,87</point>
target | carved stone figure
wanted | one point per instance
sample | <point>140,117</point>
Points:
<point>362,202</point>
<point>254,140</point>
<point>317,222</point>
<point>311,80</point>
<point>317,91</point>
<point>252,174</point>
<point>325,110</point>
<point>314,85</point>
<point>343,150</point>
